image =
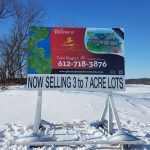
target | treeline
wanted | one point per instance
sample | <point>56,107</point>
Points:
<point>145,81</point>
<point>13,46</point>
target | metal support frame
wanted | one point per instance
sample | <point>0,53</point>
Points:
<point>109,107</point>
<point>68,143</point>
<point>46,140</point>
<point>37,119</point>
<point>112,113</point>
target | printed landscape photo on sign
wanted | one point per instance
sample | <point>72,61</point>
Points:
<point>76,58</point>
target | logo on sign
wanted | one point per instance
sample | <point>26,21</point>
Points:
<point>69,43</point>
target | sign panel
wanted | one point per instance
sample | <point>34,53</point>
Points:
<point>76,58</point>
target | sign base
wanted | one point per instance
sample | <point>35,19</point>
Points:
<point>41,129</point>
<point>110,112</point>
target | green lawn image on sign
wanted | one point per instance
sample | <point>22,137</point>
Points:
<point>103,41</point>
<point>39,58</point>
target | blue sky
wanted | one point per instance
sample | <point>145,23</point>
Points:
<point>132,15</point>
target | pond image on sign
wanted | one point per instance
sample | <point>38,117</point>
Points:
<point>39,57</point>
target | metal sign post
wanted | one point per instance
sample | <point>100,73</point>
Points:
<point>37,119</point>
<point>112,113</point>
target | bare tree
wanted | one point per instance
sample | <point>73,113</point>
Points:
<point>13,48</point>
<point>6,8</point>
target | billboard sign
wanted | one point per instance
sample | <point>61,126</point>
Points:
<point>76,59</point>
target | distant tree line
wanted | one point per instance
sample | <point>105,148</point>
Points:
<point>13,46</point>
<point>145,81</point>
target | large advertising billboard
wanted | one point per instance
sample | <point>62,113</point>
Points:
<point>76,58</point>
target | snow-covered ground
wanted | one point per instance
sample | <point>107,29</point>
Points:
<point>70,108</point>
